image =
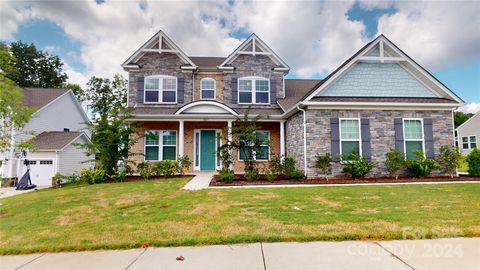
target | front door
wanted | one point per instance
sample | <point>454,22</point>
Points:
<point>207,150</point>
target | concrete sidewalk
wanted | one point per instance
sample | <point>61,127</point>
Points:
<point>201,180</point>
<point>451,253</point>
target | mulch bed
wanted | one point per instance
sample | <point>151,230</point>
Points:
<point>139,178</point>
<point>239,181</point>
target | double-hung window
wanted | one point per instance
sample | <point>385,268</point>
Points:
<point>160,89</point>
<point>413,134</point>
<point>207,88</point>
<point>263,153</point>
<point>469,142</point>
<point>161,145</point>
<point>253,91</point>
<point>350,138</point>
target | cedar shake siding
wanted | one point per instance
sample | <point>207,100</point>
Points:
<point>382,133</point>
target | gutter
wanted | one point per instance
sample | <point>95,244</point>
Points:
<point>304,139</point>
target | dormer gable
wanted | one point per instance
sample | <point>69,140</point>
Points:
<point>254,46</point>
<point>159,43</point>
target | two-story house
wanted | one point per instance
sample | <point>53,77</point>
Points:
<point>58,123</point>
<point>377,100</point>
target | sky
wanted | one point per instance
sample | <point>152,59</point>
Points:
<point>313,37</point>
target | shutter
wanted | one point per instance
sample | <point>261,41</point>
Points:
<point>428,132</point>
<point>234,91</point>
<point>140,89</point>
<point>335,129</point>
<point>366,146</point>
<point>273,92</point>
<point>398,124</point>
<point>180,90</point>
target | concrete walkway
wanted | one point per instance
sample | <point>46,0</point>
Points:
<point>200,181</point>
<point>451,253</point>
<point>10,191</point>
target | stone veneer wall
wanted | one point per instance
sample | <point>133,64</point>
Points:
<point>153,63</point>
<point>249,65</point>
<point>381,129</point>
<point>294,138</point>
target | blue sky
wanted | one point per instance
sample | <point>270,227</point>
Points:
<point>60,37</point>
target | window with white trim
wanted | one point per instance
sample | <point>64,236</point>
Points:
<point>160,89</point>
<point>465,142</point>
<point>161,145</point>
<point>252,90</point>
<point>473,142</point>
<point>264,153</point>
<point>413,137</point>
<point>207,89</point>
<point>350,140</point>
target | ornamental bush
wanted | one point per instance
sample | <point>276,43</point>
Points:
<point>395,162</point>
<point>146,170</point>
<point>167,168</point>
<point>324,163</point>
<point>449,159</point>
<point>421,166</point>
<point>357,166</point>
<point>227,175</point>
<point>95,176</point>
<point>252,175</point>
<point>473,160</point>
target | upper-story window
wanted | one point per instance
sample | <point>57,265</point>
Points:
<point>253,90</point>
<point>207,88</point>
<point>160,89</point>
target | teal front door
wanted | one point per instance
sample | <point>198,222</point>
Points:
<point>207,150</point>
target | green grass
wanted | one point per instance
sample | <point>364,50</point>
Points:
<point>158,213</point>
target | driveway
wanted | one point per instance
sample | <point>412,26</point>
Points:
<point>451,253</point>
<point>10,191</point>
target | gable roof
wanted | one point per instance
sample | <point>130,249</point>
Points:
<point>155,44</point>
<point>259,47</point>
<point>295,91</point>
<point>475,116</point>
<point>40,97</point>
<point>56,140</point>
<point>394,54</point>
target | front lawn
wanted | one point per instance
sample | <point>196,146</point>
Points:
<point>135,214</point>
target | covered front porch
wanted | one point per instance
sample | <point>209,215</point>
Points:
<point>196,132</point>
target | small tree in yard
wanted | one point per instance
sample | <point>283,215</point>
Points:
<point>111,133</point>
<point>395,162</point>
<point>449,159</point>
<point>324,164</point>
<point>247,141</point>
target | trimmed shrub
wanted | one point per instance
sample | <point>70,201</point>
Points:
<point>252,175</point>
<point>289,166</point>
<point>119,175</point>
<point>324,163</point>
<point>167,168</point>
<point>357,166</point>
<point>146,170</point>
<point>473,160</point>
<point>449,159</point>
<point>227,175</point>
<point>270,175</point>
<point>95,176</point>
<point>395,162</point>
<point>275,165</point>
<point>421,166</point>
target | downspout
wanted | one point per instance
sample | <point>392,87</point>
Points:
<point>304,139</point>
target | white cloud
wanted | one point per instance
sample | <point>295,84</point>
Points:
<point>470,108</point>
<point>435,33</point>
<point>312,37</point>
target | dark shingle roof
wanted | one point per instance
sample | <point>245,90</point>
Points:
<point>39,97</point>
<point>383,99</point>
<point>207,62</point>
<point>295,91</point>
<point>54,140</point>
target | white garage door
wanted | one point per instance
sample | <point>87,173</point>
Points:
<point>41,172</point>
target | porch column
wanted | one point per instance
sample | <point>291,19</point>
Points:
<point>180,138</point>
<point>282,139</point>
<point>229,140</point>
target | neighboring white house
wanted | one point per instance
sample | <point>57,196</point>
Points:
<point>58,123</point>
<point>468,134</point>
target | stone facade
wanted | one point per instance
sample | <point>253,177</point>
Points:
<point>153,63</point>
<point>249,65</point>
<point>381,130</point>
<point>294,139</point>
